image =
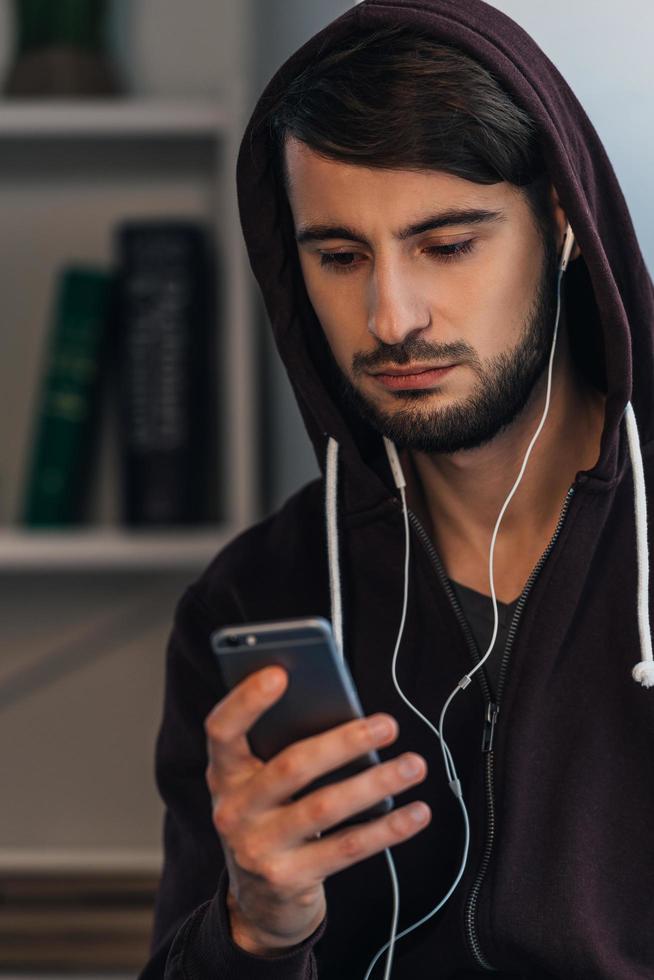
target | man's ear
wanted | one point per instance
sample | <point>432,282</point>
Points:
<point>561,222</point>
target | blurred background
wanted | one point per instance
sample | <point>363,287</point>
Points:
<point>119,127</point>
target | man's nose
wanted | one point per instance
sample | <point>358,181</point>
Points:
<point>395,309</point>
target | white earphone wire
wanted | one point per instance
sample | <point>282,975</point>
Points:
<point>390,945</point>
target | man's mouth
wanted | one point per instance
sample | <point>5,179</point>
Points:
<point>413,376</point>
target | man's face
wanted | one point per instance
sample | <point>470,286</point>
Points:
<point>436,295</point>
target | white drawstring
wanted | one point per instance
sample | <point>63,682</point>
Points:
<point>644,671</point>
<point>331,489</point>
<point>331,508</point>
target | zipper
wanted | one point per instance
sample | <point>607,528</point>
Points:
<point>491,712</point>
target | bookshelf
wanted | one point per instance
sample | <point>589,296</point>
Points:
<point>69,172</point>
<point>115,159</point>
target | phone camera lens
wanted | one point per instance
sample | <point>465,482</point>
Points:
<point>231,641</point>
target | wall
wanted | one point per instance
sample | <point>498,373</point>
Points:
<point>603,50</point>
<point>192,49</point>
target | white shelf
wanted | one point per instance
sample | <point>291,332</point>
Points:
<point>86,550</point>
<point>60,861</point>
<point>111,118</point>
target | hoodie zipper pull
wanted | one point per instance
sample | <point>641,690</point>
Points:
<point>492,711</point>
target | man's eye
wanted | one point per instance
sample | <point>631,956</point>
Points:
<point>449,253</point>
<point>347,261</point>
<point>338,261</point>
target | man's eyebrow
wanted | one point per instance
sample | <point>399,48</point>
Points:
<point>444,219</point>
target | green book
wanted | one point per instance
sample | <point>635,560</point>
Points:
<point>77,22</point>
<point>66,418</point>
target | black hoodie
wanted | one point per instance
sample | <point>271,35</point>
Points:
<point>560,878</point>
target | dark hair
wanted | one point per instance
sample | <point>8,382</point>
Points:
<point>397,99</point>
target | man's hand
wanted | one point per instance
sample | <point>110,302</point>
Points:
<point>276,862</point>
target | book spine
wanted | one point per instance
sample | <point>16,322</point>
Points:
<point>66,416</point>
<point>165,292</point>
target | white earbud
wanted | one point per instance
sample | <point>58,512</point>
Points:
<point>568,245</point>
<point>394,462</point>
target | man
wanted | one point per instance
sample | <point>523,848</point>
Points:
<point>406,183</point>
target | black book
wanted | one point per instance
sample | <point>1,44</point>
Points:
<point>165,308</point>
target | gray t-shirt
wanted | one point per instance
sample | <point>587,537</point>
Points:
<point>478,611</point>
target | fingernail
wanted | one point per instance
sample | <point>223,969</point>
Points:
<point>380,728</point>
<point>410,767</point>
<point>419,813</point>
<point>271,681</point>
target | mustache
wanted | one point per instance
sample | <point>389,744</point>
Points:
<point>412,351</point>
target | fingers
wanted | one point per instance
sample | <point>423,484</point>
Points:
<point>346,847</point>
<point>297,766</point>
<point>228,723</point>
<point>296,870</point>
<point>266,838</point>
<point>330,805</point>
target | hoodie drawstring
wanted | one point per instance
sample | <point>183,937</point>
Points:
<point>644,671</point>
<point>331,491</point>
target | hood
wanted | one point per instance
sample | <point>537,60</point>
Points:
<point>608,292</point>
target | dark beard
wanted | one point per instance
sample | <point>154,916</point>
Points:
<point>503,389</point>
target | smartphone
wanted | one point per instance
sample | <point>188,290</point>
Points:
<point>320,693</point>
